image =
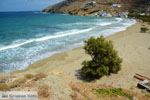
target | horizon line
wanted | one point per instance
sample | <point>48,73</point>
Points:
<point>22,11</point>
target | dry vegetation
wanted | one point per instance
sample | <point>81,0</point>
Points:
<point>4,87</point>
<point>26,80</point>
<point>29,76</point>
<point>112,92</point>
<point>83,91</point>
<point>39,76</point>
<point>17,82</point>
<point>43,91</point>
<point>144,29</point>
<point>147,95</point>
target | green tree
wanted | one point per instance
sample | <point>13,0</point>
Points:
<point>111,1</point>
<point>104,59</point>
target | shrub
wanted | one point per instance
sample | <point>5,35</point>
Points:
<point>82,91</point>
<point>144,18</point>
<point>39,76</point>
<point>29,76</point>
<point>104,58</point>
<point>112,92</point>
<point>43,91</point>
<point>147,95</point>
<point>3,80</point>
<point>110,2</point>
<point>4,87</point>
<point>17,82</point>
<point>144,29</point>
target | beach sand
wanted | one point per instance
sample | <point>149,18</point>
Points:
<point>61,69</point>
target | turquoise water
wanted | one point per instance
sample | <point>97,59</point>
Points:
<point>26,37</point>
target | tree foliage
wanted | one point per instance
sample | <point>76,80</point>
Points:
<point>104,59</point>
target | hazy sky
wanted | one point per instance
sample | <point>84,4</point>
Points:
<point>25,5</point>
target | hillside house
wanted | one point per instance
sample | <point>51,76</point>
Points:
<point>116,5</point>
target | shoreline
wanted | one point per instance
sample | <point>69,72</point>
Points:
<point>77,46</point>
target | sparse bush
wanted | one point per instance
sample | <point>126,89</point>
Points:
<point>29,76</point>
<point>39,76</point>
<point>17,82</point>
<point>110,2</point>
<point>144,18</point>
<point>144,29</point>
<point>147,95</point>
<point>82,91</point>
<point>21,81</point>
<point>43,91</point>
<point>104,61</point>
<point>3,80</point>
<point>112,92</point>
<point>4,87</point>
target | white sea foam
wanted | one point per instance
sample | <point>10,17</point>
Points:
<point>77,23</point>
<point>66,33</point>
<point>104,23</point>
<point>95,22</point>
<point>99,23</point>
<point>119,19</point>
<point>15,45</point>
<point>63,34</point>
<point>113,31</point>
<point>130,22</point>
<point>16,64</point>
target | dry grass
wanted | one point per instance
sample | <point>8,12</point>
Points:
<point>112,92</point>
<point>29,76</point>
<point>3,80</point>
<point>83,91</point>
<point>26,81</point>
<point>43,91</point>
<point>39,76</point>
<point>17,82</point>
<point>35,77</point>
<point>4,87</point>
<point>147,95</point>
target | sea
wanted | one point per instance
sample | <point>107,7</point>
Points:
<point>26,37</point>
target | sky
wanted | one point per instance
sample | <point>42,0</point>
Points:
<point>25,5</point>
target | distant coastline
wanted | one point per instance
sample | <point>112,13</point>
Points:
<point>107,8</point>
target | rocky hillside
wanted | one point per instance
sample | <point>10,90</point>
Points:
<point>96,7</point>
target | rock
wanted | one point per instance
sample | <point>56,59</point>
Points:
<point>123,14</point>
<point>104,14</point>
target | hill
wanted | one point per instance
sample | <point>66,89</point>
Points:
<point>96,7</point>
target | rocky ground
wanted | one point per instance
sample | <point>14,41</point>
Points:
<point>96,7</point>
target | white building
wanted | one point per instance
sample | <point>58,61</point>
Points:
<point>116,5</point>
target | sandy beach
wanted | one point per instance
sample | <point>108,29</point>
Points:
<point>61,69</point>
